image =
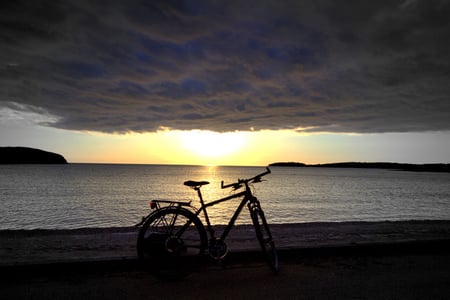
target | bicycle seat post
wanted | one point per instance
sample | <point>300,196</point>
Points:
<point>202,203</point>
<point>199,193</point>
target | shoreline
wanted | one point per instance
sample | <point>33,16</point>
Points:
<point>47,246</point>
<point>91,230</point>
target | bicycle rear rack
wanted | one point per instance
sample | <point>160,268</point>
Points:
<point>156,204</point>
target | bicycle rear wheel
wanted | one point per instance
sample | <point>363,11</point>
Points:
<point>265,238</point>
<point>171,242</point>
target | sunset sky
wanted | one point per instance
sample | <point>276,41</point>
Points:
<point>227,82</point>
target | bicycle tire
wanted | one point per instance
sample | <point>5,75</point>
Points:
<point>168,251</point>
<point>265,238</point>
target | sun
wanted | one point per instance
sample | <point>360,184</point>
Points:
<point>210,144</point>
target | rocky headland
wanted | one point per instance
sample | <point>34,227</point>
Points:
<point>25,155</point>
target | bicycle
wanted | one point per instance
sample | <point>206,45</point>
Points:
<point>173,241</point>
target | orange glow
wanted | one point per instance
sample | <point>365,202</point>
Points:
<point>196,147</point>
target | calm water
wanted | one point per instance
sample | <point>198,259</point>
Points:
<point>91,195</point>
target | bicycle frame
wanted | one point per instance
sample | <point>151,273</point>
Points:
<point>247,197</point>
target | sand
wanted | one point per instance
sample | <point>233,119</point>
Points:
<point>18,247</point>
<point>368,260</point>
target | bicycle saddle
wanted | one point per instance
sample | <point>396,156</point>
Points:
<point>193,183</point>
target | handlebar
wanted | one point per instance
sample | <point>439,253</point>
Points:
<point>239,183</point>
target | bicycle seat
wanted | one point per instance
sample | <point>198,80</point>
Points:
<point>192,183</point>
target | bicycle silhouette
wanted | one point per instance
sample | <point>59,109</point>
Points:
<point>173,240</point>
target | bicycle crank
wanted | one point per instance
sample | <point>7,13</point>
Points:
<point>217,249</point>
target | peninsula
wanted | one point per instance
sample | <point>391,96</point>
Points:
<point>24,155</point>
<point>373,165</point>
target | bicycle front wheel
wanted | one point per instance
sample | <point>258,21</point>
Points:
<point>265,238</point>
<point>171,242</point>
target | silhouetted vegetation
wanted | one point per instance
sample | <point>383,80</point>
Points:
<point>374,165</point>
<point>24,155</point>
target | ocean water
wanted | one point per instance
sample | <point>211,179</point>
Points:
<point>109,195</point>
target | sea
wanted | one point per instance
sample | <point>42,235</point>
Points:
<point>115,195</point>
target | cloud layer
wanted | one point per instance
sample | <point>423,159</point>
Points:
<point>120,66</point>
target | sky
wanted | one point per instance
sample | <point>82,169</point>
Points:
<point>227,82</point>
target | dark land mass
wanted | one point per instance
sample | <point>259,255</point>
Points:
<point>374,165</point>
<point>24,155</point>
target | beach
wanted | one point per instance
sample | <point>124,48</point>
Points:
<point>19,247</point>
<point>363,260</point>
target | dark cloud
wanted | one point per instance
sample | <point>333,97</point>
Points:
<point>118,66</point>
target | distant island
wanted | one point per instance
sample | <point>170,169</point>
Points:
<point>374,165</point>
<point>24,155</point>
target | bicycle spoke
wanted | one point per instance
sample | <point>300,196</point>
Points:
<point>171,242</point>
<point>183,228</point>
<point>165,224</point>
